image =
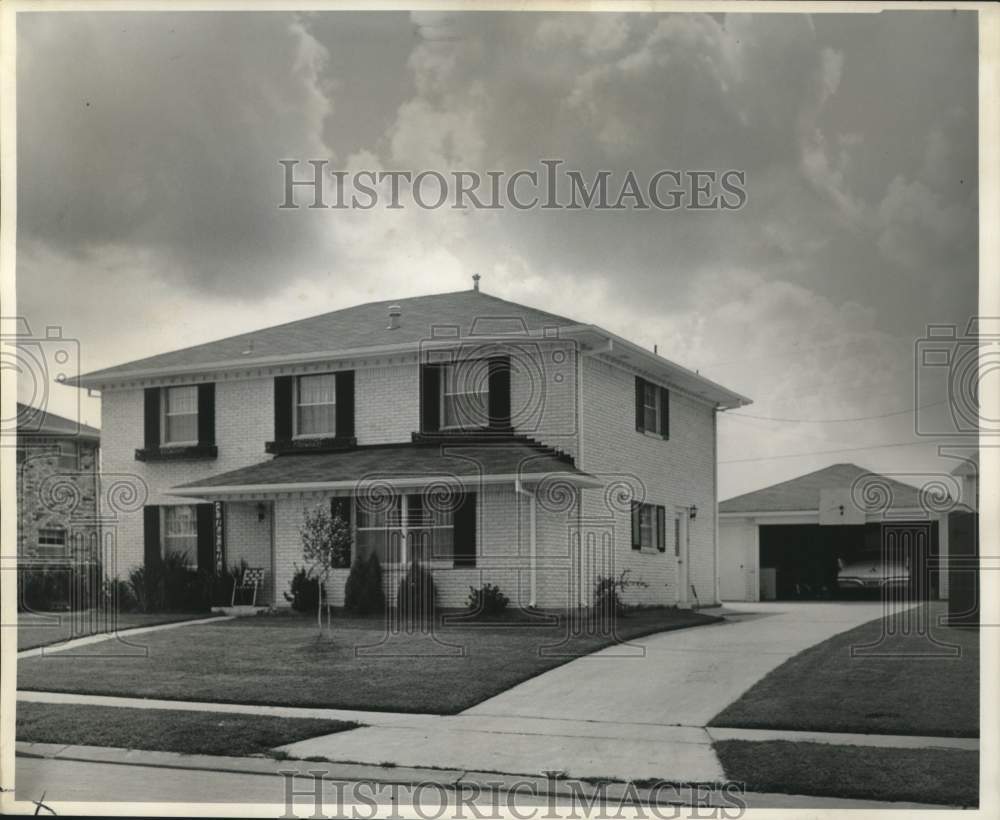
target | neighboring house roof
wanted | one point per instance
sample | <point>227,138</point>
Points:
<point>396,464</point>
<point>33,421</point>
<point>802,494</point>
<point>970,466</point>
<point>364,329</point>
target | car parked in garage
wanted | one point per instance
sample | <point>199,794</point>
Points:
<point>871,570</point>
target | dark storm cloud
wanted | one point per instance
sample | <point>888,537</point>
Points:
<point>148,179</point>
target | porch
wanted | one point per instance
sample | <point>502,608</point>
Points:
<point>469,512</point>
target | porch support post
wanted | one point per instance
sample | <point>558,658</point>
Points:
<point>533,545</point>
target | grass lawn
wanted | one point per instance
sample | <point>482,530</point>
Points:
<point>825,689</point>
<point>162,730</point>
<point>279,659</point>
<point>45,628</point>
<point>946,776</point>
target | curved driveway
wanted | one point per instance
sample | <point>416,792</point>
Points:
<point>685,677</point>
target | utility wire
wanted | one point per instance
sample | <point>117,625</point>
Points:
<point>834,421</point>
<point>825,452</point>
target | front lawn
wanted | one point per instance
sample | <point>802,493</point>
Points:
<point>165,730</point>
<point>278,659</point>
<point>903,690</point>
<point>947,776</point>
<point>46,628</point>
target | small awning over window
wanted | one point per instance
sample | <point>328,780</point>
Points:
<point>395,465</point>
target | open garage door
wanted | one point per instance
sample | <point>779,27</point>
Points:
<point>801,561</point>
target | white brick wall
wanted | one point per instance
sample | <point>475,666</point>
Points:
<point>676,473</point>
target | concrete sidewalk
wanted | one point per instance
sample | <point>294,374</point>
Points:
<point>89,773</point>
<point>87,640</point>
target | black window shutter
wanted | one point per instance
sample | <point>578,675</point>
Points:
<point>661,528</point>
<point>430,398</point>
<point>283,386</point>
<point>206,536</point>
<point>151,438</point>
<point>206,413</point>
<point>151,535</point>
<point>345,403</point>
<point>640,410</point>
<point>500,391</point>
<point>636,526</point>
<point>465,531</point>
<point>664,412</point>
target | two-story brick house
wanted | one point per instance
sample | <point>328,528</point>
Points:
<point>57,487</point>
<point>493,441</point>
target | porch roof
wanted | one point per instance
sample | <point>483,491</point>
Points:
<point>400,465</point>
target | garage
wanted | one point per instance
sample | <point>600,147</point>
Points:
<point>839,532</point>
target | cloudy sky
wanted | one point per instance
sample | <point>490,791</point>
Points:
<point>148,186</point>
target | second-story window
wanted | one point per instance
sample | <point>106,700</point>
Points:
<point>465,398</point>
<point>316,405</point>
<point>651,407</point>
<point>180,415</point>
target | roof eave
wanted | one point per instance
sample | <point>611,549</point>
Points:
<point>722,397</point>
<point>581,480</point>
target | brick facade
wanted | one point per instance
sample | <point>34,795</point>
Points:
<point>56,490</point>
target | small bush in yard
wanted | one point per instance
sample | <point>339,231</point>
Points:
<point>363,592</point>
<point>119,596</point>
<point>304,595</point>
<point>487,600</point>
<point>416,597</point>
<point>607,601</point>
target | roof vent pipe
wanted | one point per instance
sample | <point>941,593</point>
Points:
<point>395,312</point>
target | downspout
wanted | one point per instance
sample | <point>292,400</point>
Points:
<point>532,549</point>
<point>715,499</point>
<point>583,599</point>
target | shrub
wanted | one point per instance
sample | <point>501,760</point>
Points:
<point>607,597</point>
<point>303,592</point>
<point>43,588</point>
<point>222,584</point>
<point>416,597</point>
<point>487,600</point>
<point>78,585</point>
<point>171,585</point>
<point>118,596</point>
<point>363,593</point>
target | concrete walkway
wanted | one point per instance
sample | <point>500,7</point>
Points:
<point>87,640</point>
<point>90,773</point>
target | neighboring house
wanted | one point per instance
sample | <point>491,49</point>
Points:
<point>785,541</point>
<point>57,487</point>
<point>963,534</point>
<point>496,442</point>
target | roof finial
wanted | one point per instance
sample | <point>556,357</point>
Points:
<point>475,282</point>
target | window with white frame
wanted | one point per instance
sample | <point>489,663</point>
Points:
<point>180,415</point>
<point>51,541</point>
<point>316,405</point>
<point>647,525</point>
<point>409,529</point>
<point>651,407</point>
<point>465,396</point>
<point>180,531</point>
